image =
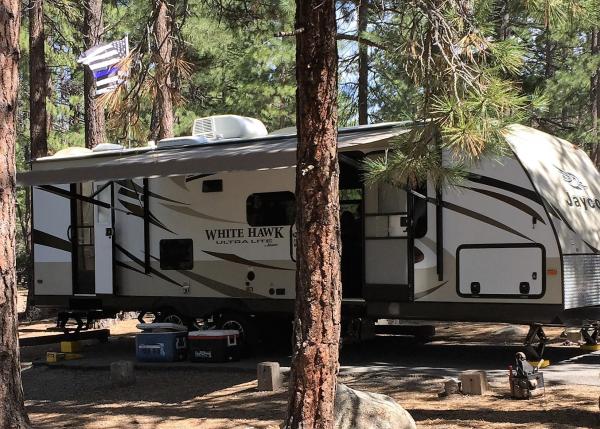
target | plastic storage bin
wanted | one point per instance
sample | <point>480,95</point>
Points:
<point>214,345</point>
<point>161,342</point>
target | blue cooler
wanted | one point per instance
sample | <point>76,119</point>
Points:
<point>161,342</point>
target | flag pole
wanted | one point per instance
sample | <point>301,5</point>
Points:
<point>129,135</point>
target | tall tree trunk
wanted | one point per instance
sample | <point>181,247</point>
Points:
<point>94,112</point>
<point>318,289</point>
<point>38,117</point>
<point>38,81</point>
<point>363,64</point>
<point>595,98</point>
<point>12,408</point>
<point>163,28</point>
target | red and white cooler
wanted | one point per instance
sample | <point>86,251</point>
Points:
<point>214,345</point>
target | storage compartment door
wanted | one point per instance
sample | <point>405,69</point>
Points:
<point>500,271</point>
<point>52,242</point>
<point>104,238</point>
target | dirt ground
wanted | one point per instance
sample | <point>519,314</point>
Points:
<point>227,398</point>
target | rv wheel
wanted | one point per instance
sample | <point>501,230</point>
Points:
<point>241,323</point>
<point>170,316</point>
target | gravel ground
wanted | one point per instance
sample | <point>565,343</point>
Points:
<point>183,397</point>
<point>59,398</point>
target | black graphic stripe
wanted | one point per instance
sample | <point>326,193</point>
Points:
<point>239,260</point>
<point>72,196</point>
<point>196,177</point>
<point>423,294</point>
<point>508,200</point>
<point>141,264</point>
<point>129,267</point>
<point>489,181</point>
<point>134,187</point>
<point>129,193</point>
<point>44,239</point>
<point>480,217</point>
<point>139,212</point>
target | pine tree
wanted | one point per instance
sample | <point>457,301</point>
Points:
<point>318,287</point>
<point>12,407</point>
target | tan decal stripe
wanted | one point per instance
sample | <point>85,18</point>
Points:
<point>191,212</point>
<point>239,260</point>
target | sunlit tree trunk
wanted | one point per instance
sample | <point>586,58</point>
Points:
<point>163,103</point>
<point>94,112</point>
<point>363,64</point>
<point>318,289</point>
<point>595,98</point>
<point>12,408</point>
<point>38,81</point>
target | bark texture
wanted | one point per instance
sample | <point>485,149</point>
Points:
<point>94,112</point>
<point>163,107</point>
<point>12,409</point>
<point>38,81</point>
<point>363,64</point>
<point>595,98</point>
<point>318,289</point>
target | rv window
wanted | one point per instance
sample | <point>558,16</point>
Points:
<point>271,208</point>
<point>212,186</point>
<point>176,254</point>
<point>420,213</point>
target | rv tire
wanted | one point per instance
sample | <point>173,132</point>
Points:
<point>242,323</point>
<point>169,315</point>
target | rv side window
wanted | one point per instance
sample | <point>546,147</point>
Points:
<point>420,213</point>
<point>271,208</point>
<point>177,254</point>
<point>212,186</point>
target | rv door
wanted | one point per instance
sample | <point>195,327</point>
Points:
<point>104,230</point>
<point>388,244</point>
<point>52,240</point>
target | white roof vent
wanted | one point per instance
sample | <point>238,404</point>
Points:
<point>182,141</point>
<point>103,147</point>
<point>228,127</point>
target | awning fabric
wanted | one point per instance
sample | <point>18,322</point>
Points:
<point>268,152</point>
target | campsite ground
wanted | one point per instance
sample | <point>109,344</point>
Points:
<point>78,394</point>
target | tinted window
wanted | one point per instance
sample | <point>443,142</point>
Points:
<point>420,213</point>
<point>271,208</point>
<point>177,254</point>
<point>212,186</point>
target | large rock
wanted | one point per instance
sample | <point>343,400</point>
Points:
<point>363,410</point>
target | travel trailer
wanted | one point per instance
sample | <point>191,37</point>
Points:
<point>203,227</point>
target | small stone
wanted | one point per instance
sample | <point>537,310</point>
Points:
<point>269,376</point>
<point>451,387</point>
<point>122,373</point>
<point>474,382</point>
<point>363,410</point>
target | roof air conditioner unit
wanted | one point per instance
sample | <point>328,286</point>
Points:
<point>228,127</point>
<point>182,141</point>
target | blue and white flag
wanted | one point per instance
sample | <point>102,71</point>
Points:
<point>104,61</point>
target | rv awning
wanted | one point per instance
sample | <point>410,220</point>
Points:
<point>268,152</point>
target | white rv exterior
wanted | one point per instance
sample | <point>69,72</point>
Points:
<point>205,226</point>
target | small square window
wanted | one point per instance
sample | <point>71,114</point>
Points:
<point>271,208</point>
<point>177,254</point>
<point>212,186</point>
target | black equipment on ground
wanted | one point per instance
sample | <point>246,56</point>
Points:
<point>526,381</point>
